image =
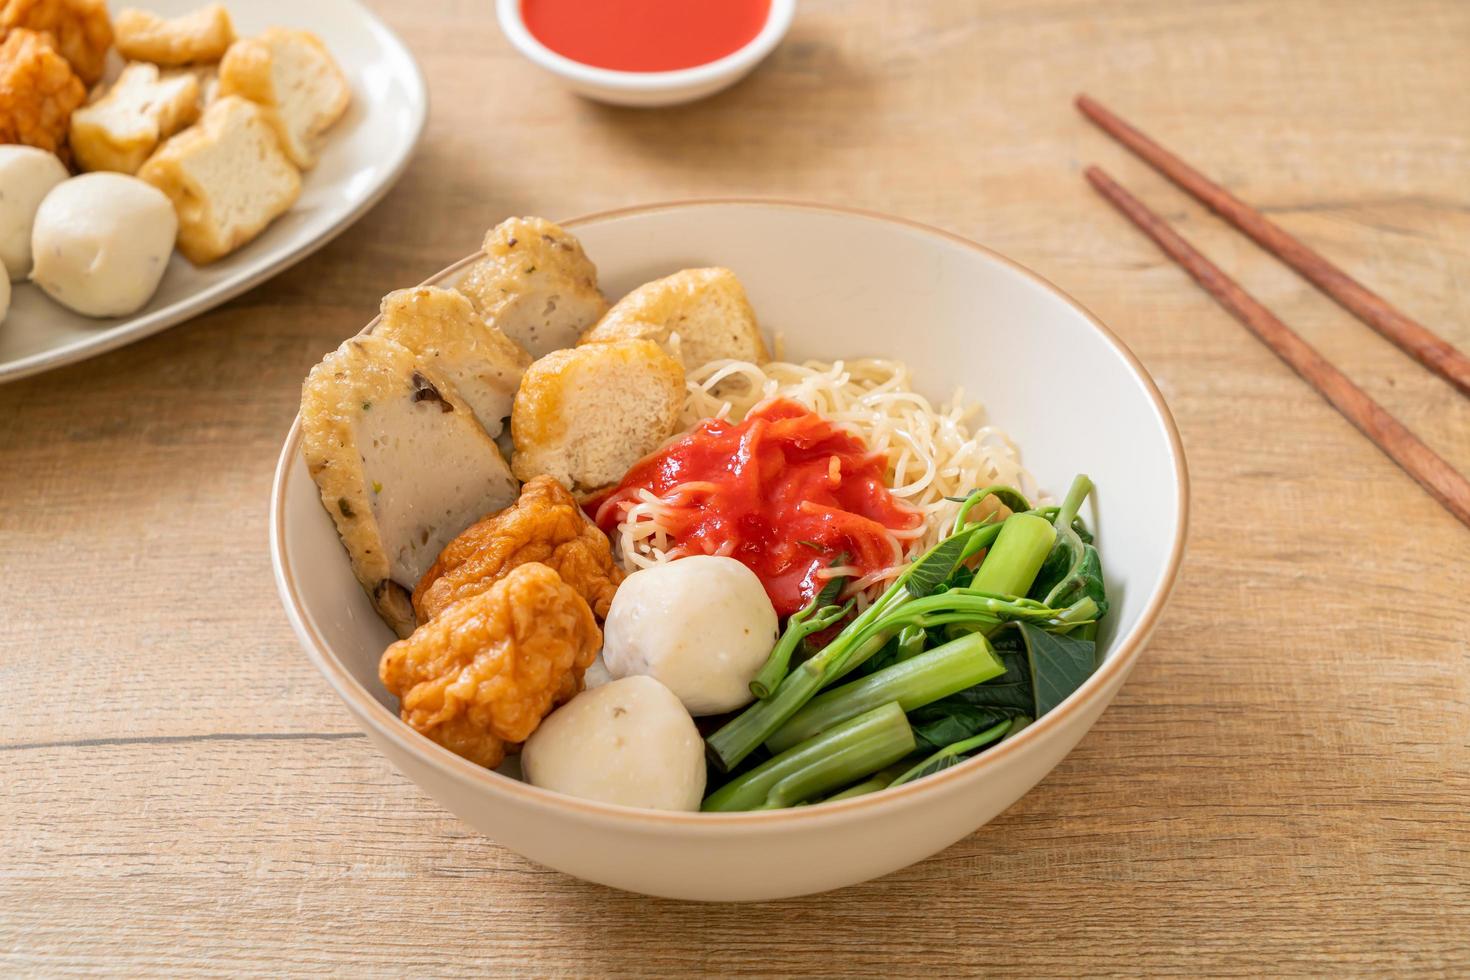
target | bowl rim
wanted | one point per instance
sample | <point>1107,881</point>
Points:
<point>389,726</point>
<point>513,25</point>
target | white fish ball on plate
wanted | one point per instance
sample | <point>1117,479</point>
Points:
<point>101,243</point>
<point>702,625</point>
<point>27,175</point>
<point>628,742</point>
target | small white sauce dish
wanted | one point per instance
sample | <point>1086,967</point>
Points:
<point>648,88</point>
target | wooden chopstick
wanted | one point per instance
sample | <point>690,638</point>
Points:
<point>1416,340</point>
<point>1402,446</point>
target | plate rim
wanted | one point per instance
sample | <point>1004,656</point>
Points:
<point>138,328</point>
<point>386,725</point>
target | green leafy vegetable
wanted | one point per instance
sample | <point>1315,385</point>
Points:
<point>911,684</point>
<point>932,601</point>
<point>855,644</point>
<point>952,755</point>
<point>951,720</point>
<point>1073,569</point>
<point>1042,669</point>
<point>1059,665</point>
<point>816,616</point>
<point>930,571</point>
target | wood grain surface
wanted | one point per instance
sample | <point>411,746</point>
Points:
<point>1283,787</point>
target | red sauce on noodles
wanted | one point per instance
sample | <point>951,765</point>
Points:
<point>785,492</point>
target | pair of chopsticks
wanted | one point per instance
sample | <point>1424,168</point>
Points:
<point>1422,463</point>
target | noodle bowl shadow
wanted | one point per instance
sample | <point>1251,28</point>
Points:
<point>835,284</point>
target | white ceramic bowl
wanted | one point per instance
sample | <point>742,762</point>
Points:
<point>834,284</point>
<point>647,88</point>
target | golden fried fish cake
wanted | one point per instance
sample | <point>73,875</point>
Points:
<point>38,92</point>
<point>80,30</point>
<point>545,525</point>
<point>706,309</point>
<point>535,284</point>
<point>480,677</point>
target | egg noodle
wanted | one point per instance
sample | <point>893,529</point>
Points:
<point>933,453</point>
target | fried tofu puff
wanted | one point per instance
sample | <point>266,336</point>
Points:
<point>587,414</point>
<point>199,37</point>
<point>479,678</point>
<point>545,525</point>
<point>706,309</point>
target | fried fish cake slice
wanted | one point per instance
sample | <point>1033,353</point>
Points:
<point>227,177</point>
<point>536,284</point>
<point>121,130</point>
<point>441,327</point>
<point>401,464</point>
<point>295,80</point>
<point>481,676</point>
<point>705,309</point>
<point>198,37</point>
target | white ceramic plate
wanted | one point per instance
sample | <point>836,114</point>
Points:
<point>361,158</point>
<point>835,284</point>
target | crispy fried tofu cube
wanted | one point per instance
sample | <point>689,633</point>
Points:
<point>199,37</point>
<point>586,414</point>
<point>227,177</point>
<point>292,76</point>
<point>142,109</point>
<point>705,309</point>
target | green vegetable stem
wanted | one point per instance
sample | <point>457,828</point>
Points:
<point>819,614</point>
<point>1011,565</point>
<point>952,755</point>
<point>844,753</point>
<point>1073,570</point>
<point>911,683</point>
<point>910,641</point>
<point>879,780</point>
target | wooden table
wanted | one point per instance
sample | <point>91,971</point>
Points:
<point>1283,785</point>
